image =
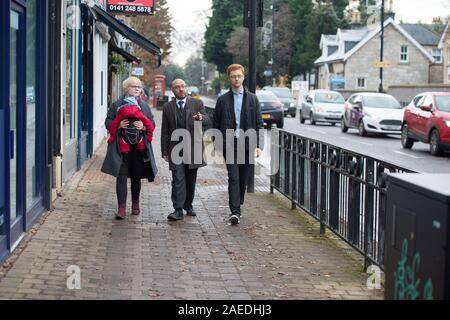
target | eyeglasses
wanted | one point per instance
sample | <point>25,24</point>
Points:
<point>135,87</point>
<point>237,77</point>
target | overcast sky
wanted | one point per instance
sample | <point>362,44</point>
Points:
<point>190,18</point>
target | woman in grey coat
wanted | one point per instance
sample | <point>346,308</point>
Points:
<point>134,164</point>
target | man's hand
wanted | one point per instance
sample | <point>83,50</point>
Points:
<point>198,117</point>
<point>166,158</point>
<point>139,125</point>
<point>124,124</point>
<point>258,152</point>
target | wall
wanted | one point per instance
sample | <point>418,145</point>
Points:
<point>405,93</point>
<point>100,89</point>
<point>361,63</point>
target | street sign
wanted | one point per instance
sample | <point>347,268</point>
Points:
<point>131,6</point>
<point>382,64</point>
<point>138,72</point>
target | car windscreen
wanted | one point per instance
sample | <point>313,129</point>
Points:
<point>443,103</point>
<point>281,92</point>
<point>381,102</point>
<point>329,97</point>
<point>264,96</point>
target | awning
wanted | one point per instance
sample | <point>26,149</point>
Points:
<point>128,56</point>
<point>125,30</point>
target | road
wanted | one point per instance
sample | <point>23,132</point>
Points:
<point>385,148</point>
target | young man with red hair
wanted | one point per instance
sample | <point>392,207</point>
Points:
<point>238,111</point>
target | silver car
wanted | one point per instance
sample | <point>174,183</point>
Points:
<point>322,106</point>
<point>285,96</point>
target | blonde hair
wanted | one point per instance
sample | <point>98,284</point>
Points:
<point>131,81</point>
<point>235,67</point>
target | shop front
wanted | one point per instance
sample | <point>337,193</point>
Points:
<point>22,123</point>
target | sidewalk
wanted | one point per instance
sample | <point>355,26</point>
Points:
<point>274,253</point>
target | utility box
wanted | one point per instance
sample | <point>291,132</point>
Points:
<point>417,252</point>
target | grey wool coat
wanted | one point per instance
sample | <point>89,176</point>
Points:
<point>114,160</point>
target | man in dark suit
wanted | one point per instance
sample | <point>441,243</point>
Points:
<point>185,118</point>
<point>238,112</point>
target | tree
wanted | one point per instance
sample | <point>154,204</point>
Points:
<point>226,14</point>
<point>172,72</point>
<point>193,71</point>
<point>282,41</point>
<point>157,28</point>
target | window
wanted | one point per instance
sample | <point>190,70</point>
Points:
<point>404,54</point>
<point>361,83</point>
<point>437,55</point>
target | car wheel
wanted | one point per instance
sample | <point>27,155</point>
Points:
<point>361,129</point>
<point>407,142</point>
<point>333,124</point>
<point>344,128</point>
<point>435,143</point>
<point>311,119</point>
<point>293,114</point>
<point>302,120</point>
<point>280,124</point>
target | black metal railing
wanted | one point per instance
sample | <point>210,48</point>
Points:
<point>344,190</point>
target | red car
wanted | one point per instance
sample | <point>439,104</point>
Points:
<point>427,119</point>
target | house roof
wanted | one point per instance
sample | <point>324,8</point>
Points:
<point>365,35</point>
<point>444,35</point>
<point>422,34</point>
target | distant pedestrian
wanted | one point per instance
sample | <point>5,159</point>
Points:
<point>134,164</point>
<point>238,110</point>
<point>184,114</point>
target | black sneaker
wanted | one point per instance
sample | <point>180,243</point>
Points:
<point>235,219</point>
<point>176,215</point>
<point>191,213</point>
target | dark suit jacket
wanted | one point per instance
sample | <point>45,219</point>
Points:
<point>169,125</point>
<point>225,117</point>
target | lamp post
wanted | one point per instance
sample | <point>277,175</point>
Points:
<point>380,89</point>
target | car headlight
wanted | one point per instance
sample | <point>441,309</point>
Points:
<point>318,109</point>
<point>373,116</point>
<point>292,105</point>
<point>447,123</point>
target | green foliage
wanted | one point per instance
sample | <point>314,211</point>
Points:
<point>117,64</point>
<point>172,72</point>
<point>226,15</point>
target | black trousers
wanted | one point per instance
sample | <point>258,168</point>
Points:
<point>183,187</point>
<point>237,185</point>
<point>237,179</point>
<point>122,179</point>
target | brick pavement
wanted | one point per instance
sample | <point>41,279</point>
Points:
<point>275,253</point>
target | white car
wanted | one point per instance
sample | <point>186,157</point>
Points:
<point>372,113</point>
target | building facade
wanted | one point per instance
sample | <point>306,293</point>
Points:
<point>53,100</point>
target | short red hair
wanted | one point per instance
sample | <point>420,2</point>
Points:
<point>235,67</point>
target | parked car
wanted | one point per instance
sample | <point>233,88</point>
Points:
<point>271,108</point>
<point>285,96</point>
<point>222,92</point>
<point>194,92</point>
<point>427,119</point>
<point>322,106</point>
<point>372,113</point>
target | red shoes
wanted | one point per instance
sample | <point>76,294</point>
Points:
<point>122,212</point>
<point>135,209</point>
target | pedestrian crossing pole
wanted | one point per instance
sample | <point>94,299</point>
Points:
<point>253,10</point>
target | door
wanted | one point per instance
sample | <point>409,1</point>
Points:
<point>423,117</point>
<point>17,115</point>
